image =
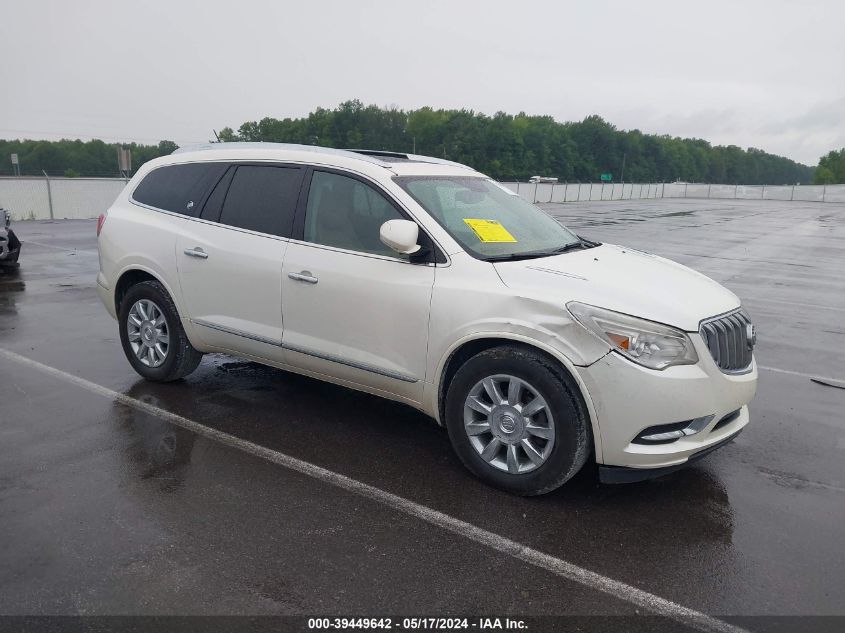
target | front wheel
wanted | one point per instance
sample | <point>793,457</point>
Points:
<point>517,420</point>
<point>152,335</point>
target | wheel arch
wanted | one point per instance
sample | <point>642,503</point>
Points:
<point>466,348</point>
<point>134,275</point>
<point>181,357</point>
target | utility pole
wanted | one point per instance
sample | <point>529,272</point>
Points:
<point>124,162</point>
<point>622,174</point>
<point>49,193</point>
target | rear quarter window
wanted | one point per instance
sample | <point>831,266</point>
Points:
<point>178,188</point>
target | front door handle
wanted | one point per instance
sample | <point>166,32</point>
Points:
<point>305,276</point>
<point>196,252</point>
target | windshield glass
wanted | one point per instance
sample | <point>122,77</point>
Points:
<point>487,219</point>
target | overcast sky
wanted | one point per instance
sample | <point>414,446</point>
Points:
<point>766,74</point>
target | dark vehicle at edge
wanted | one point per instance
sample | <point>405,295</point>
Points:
<point>10,245</point>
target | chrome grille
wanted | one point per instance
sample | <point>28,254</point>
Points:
<point>729,341</point>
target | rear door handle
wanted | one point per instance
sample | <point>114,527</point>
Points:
<point>196,252</point>
<point>305,276</point>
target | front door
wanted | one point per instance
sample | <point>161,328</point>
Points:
<point>353,308</point>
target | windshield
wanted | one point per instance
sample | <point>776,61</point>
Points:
<point>487,219</point>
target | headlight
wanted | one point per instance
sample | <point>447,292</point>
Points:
<point>648,343</point>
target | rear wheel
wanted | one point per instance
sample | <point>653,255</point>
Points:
<point>517,421</point>
<point>152,335</point>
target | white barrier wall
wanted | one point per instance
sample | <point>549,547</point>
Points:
<point>27,197</point>
<point>583,192</point>
<point>77,198</point>
<point>64,198</point>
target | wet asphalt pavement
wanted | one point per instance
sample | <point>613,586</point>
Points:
<point>105,509</point>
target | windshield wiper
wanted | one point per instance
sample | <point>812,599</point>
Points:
<point>571,246</point>
<point>535,254</point>
<point>512,257</point>
<point>588,243</point>
<point>581,243</point>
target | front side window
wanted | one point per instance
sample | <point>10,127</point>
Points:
<point>262,198</point>
<point>489,221</point>
<point>178,188</point>
<point>347,213</point>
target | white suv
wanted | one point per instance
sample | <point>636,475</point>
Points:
<point>426,282</point>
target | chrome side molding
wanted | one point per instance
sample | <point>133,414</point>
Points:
<point>309,352</point>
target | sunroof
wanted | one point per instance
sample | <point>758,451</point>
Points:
<point>382,154</point>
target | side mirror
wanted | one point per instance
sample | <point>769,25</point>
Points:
<point>400,235</point>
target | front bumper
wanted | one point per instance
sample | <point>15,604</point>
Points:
<point>625,475</point>
<point>628,398</point>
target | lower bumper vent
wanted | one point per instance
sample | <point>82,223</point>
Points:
<point>730,417</point>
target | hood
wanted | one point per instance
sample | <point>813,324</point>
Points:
<point>624,280</point>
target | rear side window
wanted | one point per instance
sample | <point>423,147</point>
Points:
<point>262,198</point>
<point>178,188</point>
<point>214,202</point>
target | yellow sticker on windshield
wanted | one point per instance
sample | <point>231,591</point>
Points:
<point>489,230</point>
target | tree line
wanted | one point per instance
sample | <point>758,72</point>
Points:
<point>516,147</point>
<point>505,146</point>
<point>74,157</point>
<point>831,168</point>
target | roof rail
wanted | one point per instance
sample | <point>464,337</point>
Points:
<point>416,158</point>
<point>368,155</point>
<point>379,152</point>
<point>413,158</point>
<point>270,146</point>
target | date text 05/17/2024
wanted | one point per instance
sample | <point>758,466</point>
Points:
<point>414,624</point>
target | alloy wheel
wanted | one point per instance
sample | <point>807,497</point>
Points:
<point>148,333</point>
<point>509,424</point>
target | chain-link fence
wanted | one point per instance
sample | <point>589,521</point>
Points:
<point>33,198</point>
<point>584,192</point>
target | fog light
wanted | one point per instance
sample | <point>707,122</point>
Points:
<point>659,437</point>
<point>667,433</point>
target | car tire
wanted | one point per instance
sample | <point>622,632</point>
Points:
<point>556,426</point>
<point>140,335</point>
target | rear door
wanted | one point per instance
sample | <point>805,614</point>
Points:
<point>230,259</point>
<point>354,309</point>
<point>176,193</point>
